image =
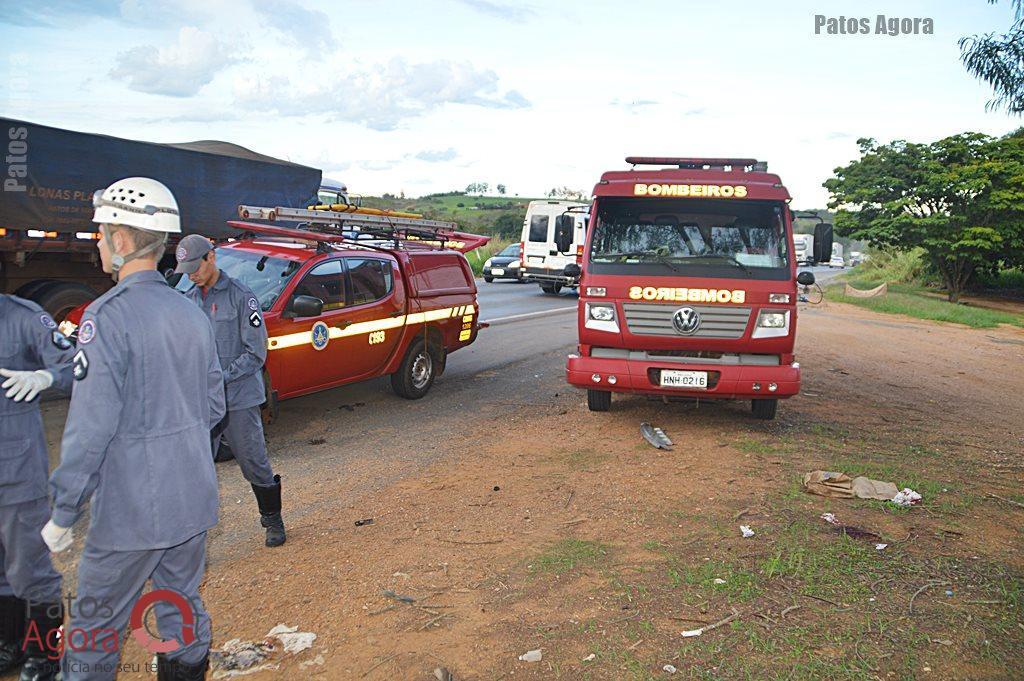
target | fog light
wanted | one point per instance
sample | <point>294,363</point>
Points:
<point>596,378</point>
<point>757,387</point>
<point>613,380</point>
<point>772,387</point>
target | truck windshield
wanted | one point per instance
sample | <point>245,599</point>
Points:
<point>692,237</point>
<point>265,275</point>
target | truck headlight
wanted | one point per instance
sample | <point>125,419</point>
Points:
<point>514,265</point>
<point>601,318</point>
<point>602,313</point>
<point>771,324</point>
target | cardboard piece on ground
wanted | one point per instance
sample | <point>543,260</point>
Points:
<point>842,486</point>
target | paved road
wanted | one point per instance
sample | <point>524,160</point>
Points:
<point>506,298</point>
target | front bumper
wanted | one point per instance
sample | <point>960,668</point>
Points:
<point>541,274</point>
<point>724,381</point>
<point>506,272</point>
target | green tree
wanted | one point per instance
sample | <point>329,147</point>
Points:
<point>999,61</point>
<point>509,226</point>
<point>961,199</point>
<point>501,189</point>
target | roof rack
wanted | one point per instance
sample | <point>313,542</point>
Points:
<point>329,226</point>
<point>691,163</point>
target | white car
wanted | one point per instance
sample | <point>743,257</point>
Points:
<point>837,261</point>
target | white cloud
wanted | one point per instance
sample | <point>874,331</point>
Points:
<point>307,28</point>
<point>514,13</point>
<point>177,70</point>
<point>381,96</point>
<point>437,155</point>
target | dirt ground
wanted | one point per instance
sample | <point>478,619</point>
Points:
<point>544,526</point>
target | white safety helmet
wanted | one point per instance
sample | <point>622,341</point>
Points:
<point>139,202</point>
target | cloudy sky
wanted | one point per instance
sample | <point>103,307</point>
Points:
<point>397,95</point>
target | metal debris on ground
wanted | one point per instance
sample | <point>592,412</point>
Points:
<point>906,497</point>
<point>746,531</point>
<point>531,656</point>
<point>655,436</point>
<point>364,521</point>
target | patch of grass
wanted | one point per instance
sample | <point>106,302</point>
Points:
<point>752,446</point>
<point>912,304</point>
<point>837,565</point>
<point>567,554</point>
<point>740,584</point>
<point>478,256</point>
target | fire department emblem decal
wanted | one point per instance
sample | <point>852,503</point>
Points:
<point>320,336</point>
<point>686,321</point>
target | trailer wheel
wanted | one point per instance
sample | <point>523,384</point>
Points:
<point>599,400</point>
<point>552,288</point>
<point>417,372</point>
<point>764,409</point>
<point>60,298</point>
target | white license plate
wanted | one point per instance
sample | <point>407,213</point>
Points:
<point>497,272</point>
<point>697,380</point>
<point>536,260</point>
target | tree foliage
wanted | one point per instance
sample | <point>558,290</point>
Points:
<point>961,199</point>
<point>999,61</point>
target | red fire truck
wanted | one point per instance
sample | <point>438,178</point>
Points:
<point>348,297</point>
<point>689,286</point>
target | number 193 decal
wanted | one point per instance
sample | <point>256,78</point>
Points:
<point>377,337</point>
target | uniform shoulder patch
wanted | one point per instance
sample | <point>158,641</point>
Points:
<point>253,304</point>
<point>87,331</point>
<point>80,365</point>
<point>255,320</point>
<point>61,341</point>
<point>47,321</point>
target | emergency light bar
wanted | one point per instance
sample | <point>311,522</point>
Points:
<point>690,163</point>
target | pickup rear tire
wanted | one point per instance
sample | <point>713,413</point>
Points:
<point>764,409</point>
<point>551,289</point>
<point>599,400</point>
<point>417,371</point>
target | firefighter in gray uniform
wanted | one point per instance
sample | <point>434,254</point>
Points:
<point>33,356</point>
<point>237,319</point>
<point>137,443</point>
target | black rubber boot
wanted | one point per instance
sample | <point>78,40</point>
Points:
<point>12,632</point>
<point>269,500</point>
<point>42,651</point>
<point>168,669</point>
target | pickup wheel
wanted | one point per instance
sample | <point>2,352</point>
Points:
<point>551,289</point>
<point>764,409</point>
<point>599,400</point>
<point>417,372</point>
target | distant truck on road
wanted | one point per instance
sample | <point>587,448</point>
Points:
<point>47,237</point>
<point>803,248</point>
<point>688,284</point>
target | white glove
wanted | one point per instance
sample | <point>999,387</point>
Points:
<point>25,385</point>
<point>56,537</point>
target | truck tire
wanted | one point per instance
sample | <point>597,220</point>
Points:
<point>552,288</point>
<point>61,297</point>
<point>764,409</point>
<point>417,371</point>
<point>488,279</point>
<point>599,400</point>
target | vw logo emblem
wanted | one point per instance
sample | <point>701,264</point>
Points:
<point>686,320</point>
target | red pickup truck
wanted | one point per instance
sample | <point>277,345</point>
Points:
<point>340,310</point>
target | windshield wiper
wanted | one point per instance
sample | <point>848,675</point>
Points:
<point>728,258</point>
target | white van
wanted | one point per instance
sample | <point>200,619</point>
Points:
<point>553,236</point>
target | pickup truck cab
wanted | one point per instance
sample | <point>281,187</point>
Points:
<point>342,312</point>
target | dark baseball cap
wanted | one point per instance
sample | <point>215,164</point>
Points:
<point>190,252</point>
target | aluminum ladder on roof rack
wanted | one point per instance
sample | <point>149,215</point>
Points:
<point>329,217</point>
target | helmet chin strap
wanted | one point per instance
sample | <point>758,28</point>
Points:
<point>117,261</point>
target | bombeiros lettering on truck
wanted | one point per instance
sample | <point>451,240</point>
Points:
<point>688,284</point>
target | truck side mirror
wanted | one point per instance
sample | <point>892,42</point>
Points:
<point>305,306</point>
<point>822,242</point>
<point>572,270</point>
<point>564,225</point>
<point>805,278</point>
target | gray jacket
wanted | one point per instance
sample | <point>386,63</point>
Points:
<point>237,321</point>
<point>148,389</point>
<point>29,340</point>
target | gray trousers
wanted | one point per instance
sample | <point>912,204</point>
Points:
<point>25,567</point>
<point>242,429</point>
<point>109,585</point>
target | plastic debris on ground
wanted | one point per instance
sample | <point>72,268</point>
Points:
<point>880,547</point>
<point>692,632</point>
<point>240,658</point>
<point>669,668</point>
<point>906,497</point>
<point>531,656</point>
<point>746,531</point>
<point>590,657</point>
<point>830,518</point>
<point>842,486</point>
<point>719,580</point>
<point>655,436</point>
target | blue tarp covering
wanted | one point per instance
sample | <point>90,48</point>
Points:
<point>210,179</point>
